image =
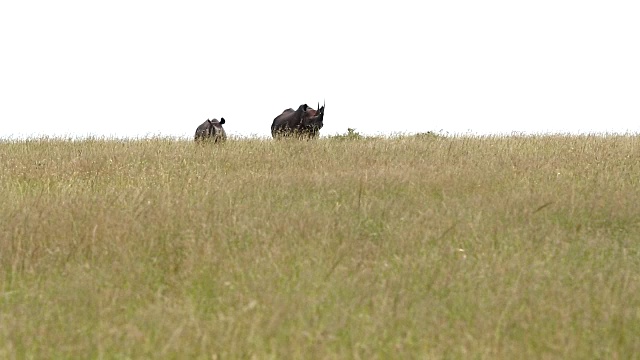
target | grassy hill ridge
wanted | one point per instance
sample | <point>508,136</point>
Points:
<point>412,246</point>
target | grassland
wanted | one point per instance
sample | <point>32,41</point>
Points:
<point>408,247</point>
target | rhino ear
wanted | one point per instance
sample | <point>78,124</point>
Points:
<point>222,121</point>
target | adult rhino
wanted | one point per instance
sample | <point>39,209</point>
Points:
<point>211,130</point>
<point>305,122</point>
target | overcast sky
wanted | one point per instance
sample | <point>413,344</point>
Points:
<point>137,68</point>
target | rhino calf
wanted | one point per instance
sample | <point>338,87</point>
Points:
<point>211,130</point>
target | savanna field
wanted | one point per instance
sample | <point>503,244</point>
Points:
<point>409,247</point>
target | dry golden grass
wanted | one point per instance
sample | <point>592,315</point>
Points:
<point>409,247</point>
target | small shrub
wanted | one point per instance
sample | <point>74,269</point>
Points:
<point>351,134</point>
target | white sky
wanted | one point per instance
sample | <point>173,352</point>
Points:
<point>136,68</point>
